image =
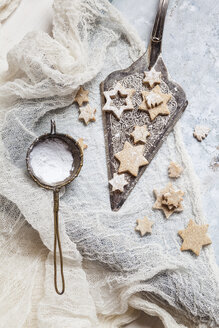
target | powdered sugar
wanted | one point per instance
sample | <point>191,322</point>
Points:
<point>51,161</point>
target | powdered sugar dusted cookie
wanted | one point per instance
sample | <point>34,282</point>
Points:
<point>172,199</point>
<point>167,198</point>
<point>174,170</point>
<point>140,133</point>
<point>118,182</point>
<point>81,96</point>
<point>159,106</point>
<point>121,92</point>
<point>131,158</point>
<point>152,77</point>
<point>194,237</point>
<point>153,99</point>
<point>201,132</point>
<point>87,114</point>
<point>144,226</point>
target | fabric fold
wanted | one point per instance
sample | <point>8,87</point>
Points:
<point>111,272</point>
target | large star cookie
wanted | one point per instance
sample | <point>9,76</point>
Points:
<point>81,96</point>
<point>131,158</point>
<point>155,105</point>
<point>144,226</point>
<point>87,114</point>
<point>118,182</point>
<point>122,92</point>
<point>168,200</point>
<point>194,237</point>
<point>140,133</point>
<point>152,78</point>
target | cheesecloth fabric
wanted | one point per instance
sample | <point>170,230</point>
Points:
<point>7,7</point>
<point>111,272</point>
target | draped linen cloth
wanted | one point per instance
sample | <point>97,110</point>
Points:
<point>7,7</point>
<point>111,272</point>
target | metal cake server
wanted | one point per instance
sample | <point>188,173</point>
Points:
<point>118,131</point>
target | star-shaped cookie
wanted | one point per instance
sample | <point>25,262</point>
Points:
<point>144,226</point>
<point>153,99</point>
<point>82,144</point>
<point>161,109</point>
<point>118,182</point>
<point>159,205</point>
<point>174,170</point>
<point>194,237</point>
<point>152,77</point>
<point>87,114</point>
<point>81,96</point>
<point>140,133</point>
<point>172,199</point>
<point>131,158</point>
<point>123,93</point>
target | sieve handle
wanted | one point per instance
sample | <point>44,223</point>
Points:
<point>57,242</point>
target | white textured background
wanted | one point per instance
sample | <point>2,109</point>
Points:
<point>190,49</point>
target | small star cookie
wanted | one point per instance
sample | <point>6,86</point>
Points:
<point>170,209</point>
<point>153,99</point>
<point>194,237</point>
<point>172,198</point>
<point>201,132</point>
<point>118,182</point>
<point>152,77</point>
<point>131,158</point>
<point>82,144</point>
<point>81,96</point>
<point>144,226</point>
<point>161,109</point>
<point>174,170</point>
<point>123,93</point>
<point>87,114</point>
<point>140,133</point>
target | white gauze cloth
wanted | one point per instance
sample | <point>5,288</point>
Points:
<point>7,7</point>
<point>110,271</point>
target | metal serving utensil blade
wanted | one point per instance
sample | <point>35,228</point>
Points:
<point>161,125</point>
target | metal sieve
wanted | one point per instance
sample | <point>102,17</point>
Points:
<point>77,154</point>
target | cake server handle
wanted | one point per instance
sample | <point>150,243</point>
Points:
<point>154,48</point>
